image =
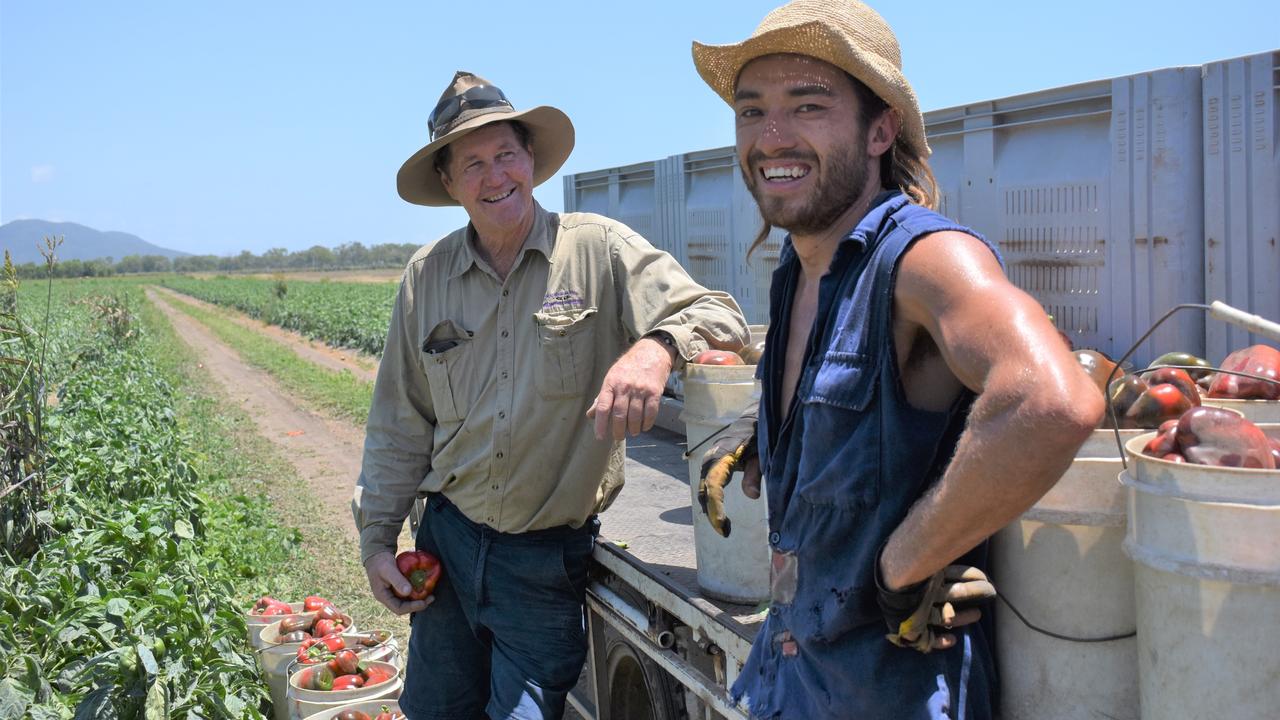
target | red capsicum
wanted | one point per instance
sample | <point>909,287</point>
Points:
<point>348,682</point>
<point>422,570</point>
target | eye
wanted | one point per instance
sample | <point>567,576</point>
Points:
<point>749,112</point>
<point>810,107</point>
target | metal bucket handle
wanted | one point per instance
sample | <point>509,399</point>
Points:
<point>1217,310</point>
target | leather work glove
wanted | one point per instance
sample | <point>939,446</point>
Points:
<point>920,614</point>
<point>729,453</point>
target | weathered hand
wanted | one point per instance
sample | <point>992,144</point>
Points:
<point>920,616</point>
<point>632,391</point>
<point>383,575</point>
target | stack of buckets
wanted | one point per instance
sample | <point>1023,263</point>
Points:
<point>277,662</point>
<point>1186,555</point>
<point>735,568</point>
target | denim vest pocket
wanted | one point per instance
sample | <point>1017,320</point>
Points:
<point>841,459</point>
<point>444,368</point>
<point>567,360</point>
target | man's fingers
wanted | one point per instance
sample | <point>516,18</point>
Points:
<point>651,406</point>
<point>604,402</point>
<point>751,478</point>
<point>962,573</point>
<point>943,641</point>
<point>635,416</point>
<point>969,592</point>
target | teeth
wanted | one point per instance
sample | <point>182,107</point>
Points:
<point>497,198</point>
<point>773,173</point>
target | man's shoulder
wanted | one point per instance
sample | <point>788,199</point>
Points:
<point>437,253</point>
<point>589,225</point>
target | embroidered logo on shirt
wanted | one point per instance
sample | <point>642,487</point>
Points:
<point>561,300</point>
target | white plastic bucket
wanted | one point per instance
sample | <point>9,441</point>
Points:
<point>372,707</point>
<point>1062,565</point>
<point>275,660</point>
<point>1205,542</point>
<point>257,622</point>
<point>735,568</point>
<point>306,703</point>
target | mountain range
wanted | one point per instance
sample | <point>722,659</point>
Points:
<point>23,238</point>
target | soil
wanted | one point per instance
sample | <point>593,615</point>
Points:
<point>326,452</point>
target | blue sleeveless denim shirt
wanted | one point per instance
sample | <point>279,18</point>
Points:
<point>841,473</point>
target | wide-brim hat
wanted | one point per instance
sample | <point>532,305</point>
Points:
<point>846,34</point>
<point>552,138</point>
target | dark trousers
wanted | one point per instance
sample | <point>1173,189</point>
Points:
<point>505,635</point>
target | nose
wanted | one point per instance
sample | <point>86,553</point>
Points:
<point>776,134</point>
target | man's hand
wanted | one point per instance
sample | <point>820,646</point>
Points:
<point>921,615</point>
<point>383,576</point>
<point>733,450</point>
<point>632,390</point>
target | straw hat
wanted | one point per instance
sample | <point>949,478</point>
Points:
<point>845,33</point>
<point>468,104</point>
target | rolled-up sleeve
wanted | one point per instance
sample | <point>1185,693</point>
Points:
<point>398,435</point>
<point>655,293</point>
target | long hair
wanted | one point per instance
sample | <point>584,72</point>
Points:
<point>900,167</point>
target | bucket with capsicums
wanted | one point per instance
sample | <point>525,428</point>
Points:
<point>1204,535</point>
<point>346,680</point>
<point>280,642</point>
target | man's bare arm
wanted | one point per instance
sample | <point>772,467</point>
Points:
<point>1035,407</point>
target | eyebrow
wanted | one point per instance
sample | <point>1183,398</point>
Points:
<point>797,91</point>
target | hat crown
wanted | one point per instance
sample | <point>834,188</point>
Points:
<point>854,20</point>
<point>456,107</point>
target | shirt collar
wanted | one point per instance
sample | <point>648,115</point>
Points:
<point>882,206</point>
<point>540,238</point>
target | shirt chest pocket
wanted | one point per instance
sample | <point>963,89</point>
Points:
<point>840,465</point>
<point>445,364</point>
<point>566,357</point>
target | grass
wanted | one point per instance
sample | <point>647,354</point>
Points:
<point>341,394</point>
<point>326,559</point>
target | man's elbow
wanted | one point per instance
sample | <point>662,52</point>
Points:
<point>1067,417</point>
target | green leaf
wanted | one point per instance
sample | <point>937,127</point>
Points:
<point>97,706</point>
<point>118,606</point>
<point>183,529</point>
<point>70,633</point>
<point>235,706</point>
<point>14,699</point>
<point>148,659</point>
<point>157,708</point>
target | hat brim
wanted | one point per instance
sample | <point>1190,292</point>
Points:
<point>720,65</point>
<point>552,142</point>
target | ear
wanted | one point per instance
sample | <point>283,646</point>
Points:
<point>883,132</point>
<point>448,184</point>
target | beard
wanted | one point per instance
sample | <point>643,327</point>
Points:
<point>841,179</point>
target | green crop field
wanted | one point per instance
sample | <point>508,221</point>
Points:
<point>124,572</point>
<point>351,315</point>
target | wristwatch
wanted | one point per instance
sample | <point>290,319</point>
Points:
<point>667,339</point>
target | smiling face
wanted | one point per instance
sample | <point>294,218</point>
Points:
<point>802,147</point>
<point>490,173</point>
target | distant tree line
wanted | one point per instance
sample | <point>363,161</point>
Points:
<point>349,256</point>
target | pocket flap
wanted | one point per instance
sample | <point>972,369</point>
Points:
<point>845,380</point>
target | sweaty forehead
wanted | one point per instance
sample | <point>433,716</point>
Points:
<point>789,72</point>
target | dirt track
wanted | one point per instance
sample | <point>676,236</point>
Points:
<point>325,452</point>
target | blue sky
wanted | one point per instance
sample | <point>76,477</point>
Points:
<point>219,127</point>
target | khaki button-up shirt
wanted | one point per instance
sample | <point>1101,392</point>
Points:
<point>484,385</point>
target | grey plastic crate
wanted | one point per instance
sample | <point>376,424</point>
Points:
<point>1242,193</point>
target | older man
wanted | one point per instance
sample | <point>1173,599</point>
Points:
<point>914,401</point>
<point>507,337</point>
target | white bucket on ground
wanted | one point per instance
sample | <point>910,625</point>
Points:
<point>735,568</point>
<point>306,703</point>
<point>1062,565</point>
<point>257,622</point>
<point>372,707</point>
<point>1205,542</point>
<point>276,661</point>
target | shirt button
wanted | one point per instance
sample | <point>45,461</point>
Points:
<point>774,538</point>
<point>501,414</point>
<point>499,456</point>
<point>504,374</point>
<point>563,333</point>
<point>505,293</point>
<point>773,610</point>
<point>504,333</point>
<point>495,487</point>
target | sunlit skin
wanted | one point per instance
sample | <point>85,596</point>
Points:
<point>957,321</point>
<point>491,175</point>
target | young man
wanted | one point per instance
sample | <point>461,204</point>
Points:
<point>522,349</point>
<point>914,401</point>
